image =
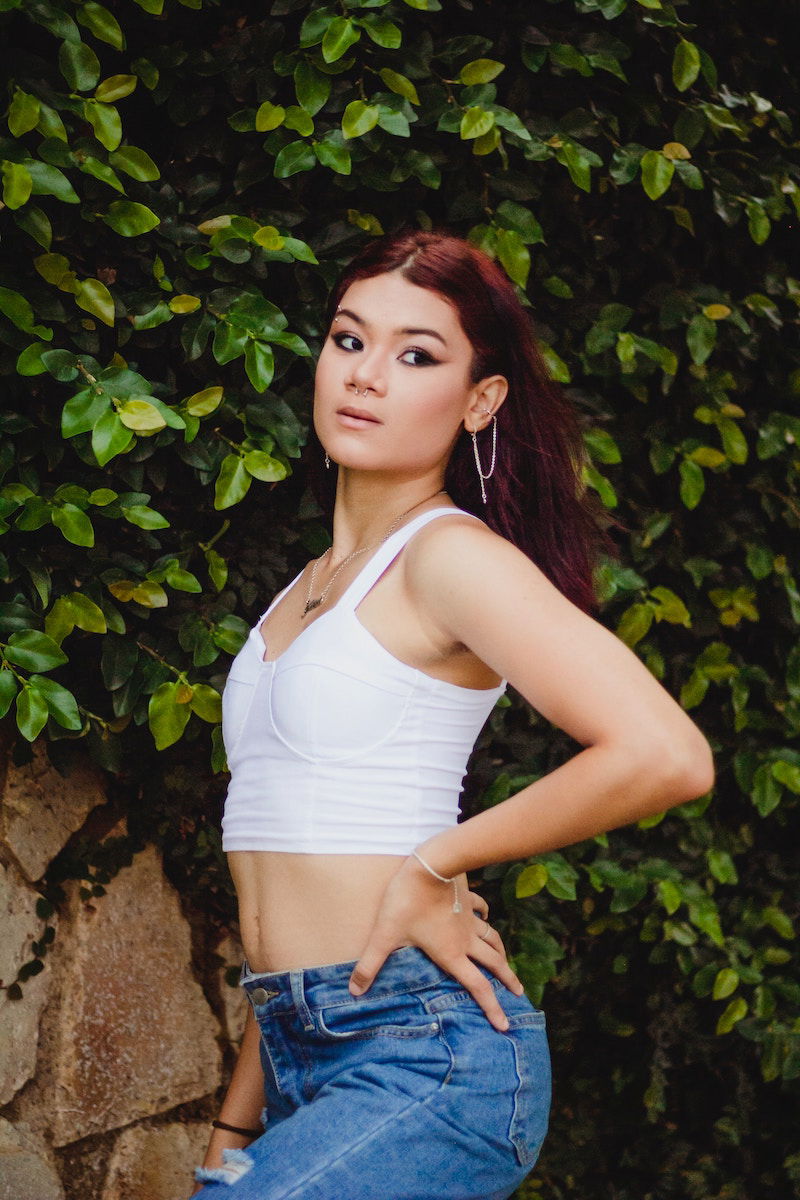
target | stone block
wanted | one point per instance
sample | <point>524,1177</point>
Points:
<point>155,1163</point>
<point>19,1019</point>
<point>40,809</point>
<point>128,1032</point>
<point>26,1172</point>
<point>234,1001</point>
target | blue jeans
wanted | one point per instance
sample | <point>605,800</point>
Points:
<point>404,1093</point>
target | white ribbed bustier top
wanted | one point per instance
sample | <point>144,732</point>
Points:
<point>337,746</point>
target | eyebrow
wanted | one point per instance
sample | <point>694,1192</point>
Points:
<point>347,312</point>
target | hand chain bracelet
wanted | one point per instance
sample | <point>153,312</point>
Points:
<point>442,879</point>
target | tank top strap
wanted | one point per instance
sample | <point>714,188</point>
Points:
<point>387,553</point>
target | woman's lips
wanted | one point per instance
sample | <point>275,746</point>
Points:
<point>356,418</point>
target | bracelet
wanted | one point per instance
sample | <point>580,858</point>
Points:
<point>442,879</point>
<point>249,1133</point>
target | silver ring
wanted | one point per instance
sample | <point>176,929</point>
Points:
<point>483,936</point>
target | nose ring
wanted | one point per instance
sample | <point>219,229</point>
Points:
<point>360,393</point>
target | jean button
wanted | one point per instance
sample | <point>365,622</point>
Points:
<point>259,995</point>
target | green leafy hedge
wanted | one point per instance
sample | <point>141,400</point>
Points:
<point>181,182</point>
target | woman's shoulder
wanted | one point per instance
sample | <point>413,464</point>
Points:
<point>459,549</point>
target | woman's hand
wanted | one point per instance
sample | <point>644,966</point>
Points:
<point>417,910</point>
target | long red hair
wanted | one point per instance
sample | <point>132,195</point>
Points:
<point>536,498</point>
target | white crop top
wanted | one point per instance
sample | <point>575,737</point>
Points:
<point>337,746</point>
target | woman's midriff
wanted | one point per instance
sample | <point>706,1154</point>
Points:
<point>306,910</point>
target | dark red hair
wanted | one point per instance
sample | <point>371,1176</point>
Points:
<point>535,498</point>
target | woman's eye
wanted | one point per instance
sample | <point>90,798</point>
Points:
<point>416,357</point>
<point>347,341</point>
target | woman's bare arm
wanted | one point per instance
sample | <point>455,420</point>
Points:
<point>641,754</point>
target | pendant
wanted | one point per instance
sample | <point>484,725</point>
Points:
<point>311,604</point>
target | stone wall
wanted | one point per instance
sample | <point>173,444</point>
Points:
<point>112,1059</point>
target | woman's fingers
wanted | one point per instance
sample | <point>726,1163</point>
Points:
<point>482,993</point>
<point>478,905</point>
<point>490,953</point>
<point>367,968</point>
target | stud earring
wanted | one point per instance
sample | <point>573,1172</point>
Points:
<point>482,476</point>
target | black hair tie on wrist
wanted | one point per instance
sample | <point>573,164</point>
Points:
<point>250,1133</point>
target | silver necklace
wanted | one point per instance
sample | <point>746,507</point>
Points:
<point>310,604</point>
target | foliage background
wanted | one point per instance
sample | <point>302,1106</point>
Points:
<point>181,182</point>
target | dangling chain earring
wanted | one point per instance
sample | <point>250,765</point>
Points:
<point>327,461</point>
<point>490,472</point>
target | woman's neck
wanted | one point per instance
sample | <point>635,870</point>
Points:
<point>366,506</point>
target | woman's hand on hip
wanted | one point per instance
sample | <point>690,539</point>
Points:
<point>417,910</point>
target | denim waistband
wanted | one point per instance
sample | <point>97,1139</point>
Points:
<point>405,970</point>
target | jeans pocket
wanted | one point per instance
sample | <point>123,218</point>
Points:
<point>394,1017</point>
<point>531,1105</point>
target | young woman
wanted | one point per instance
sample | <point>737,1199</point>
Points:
<point>397,1054</point>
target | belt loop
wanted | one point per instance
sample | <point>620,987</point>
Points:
<point>303,1011</point>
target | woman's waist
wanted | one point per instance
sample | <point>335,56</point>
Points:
<point>298,910</point>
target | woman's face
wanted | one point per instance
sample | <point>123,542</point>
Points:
<point>393,380</point>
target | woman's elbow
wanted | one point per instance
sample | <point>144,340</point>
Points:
<point>688,767</point>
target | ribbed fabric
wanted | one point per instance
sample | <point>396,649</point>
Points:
<point>339,747</point>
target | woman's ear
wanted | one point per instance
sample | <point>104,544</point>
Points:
<point>485,399</point>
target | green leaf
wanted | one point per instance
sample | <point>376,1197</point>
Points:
<point>635,623</point>
<point>733,440</point>
<point>557,369</point>
<point>259,362</point>
<point>685,65</point>
<point>475,123</point>
<point>32,712</point>
<point>758,223</point>
<point>735,1011</point>
<point>18,310</point>
<point>61,704</point>
<point>269,116</point>
<point>73,523</point>
<point>299,120</point>
<point>359,118</point>
<point>722,866</point>
<point>311,87</point>
<point>103,24</point>
<point>130,219</point>
<point>340,35</point>
<point>657,171</point>
<point>701,337</point>
<point>200,404</point>
<point>141,416</point>
<point>530,881</point>
<point>82,411</point>
<point>693,483</point>
<point>514,255</point>
<point>144,517</point>
<point>183,581</point>
<point>166,715</point>
<point>116,87</point>
<point>105,121</point>
<point>217,569</point>
<point>8,690</point>
<point>17,184</point>
<point>480,70</point>
<point>110,437</point>
<point>34,651</point>
<point>49,181</point>
<point>79,65</point>
<point>23,113</point>
<point>262,466</point>
<point>134,162</point>
<point>94,297</point>
<point>399,84</point>
<point>767,792</point>
<point>206,702</point>
<point>778,920</point>
<point>233,482</point>
<point>383,33</point>
<point>37,224</point>
<point>334,155</point>
<point>725,983</point>
<point>294,158</point>
<point>788,774</point>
